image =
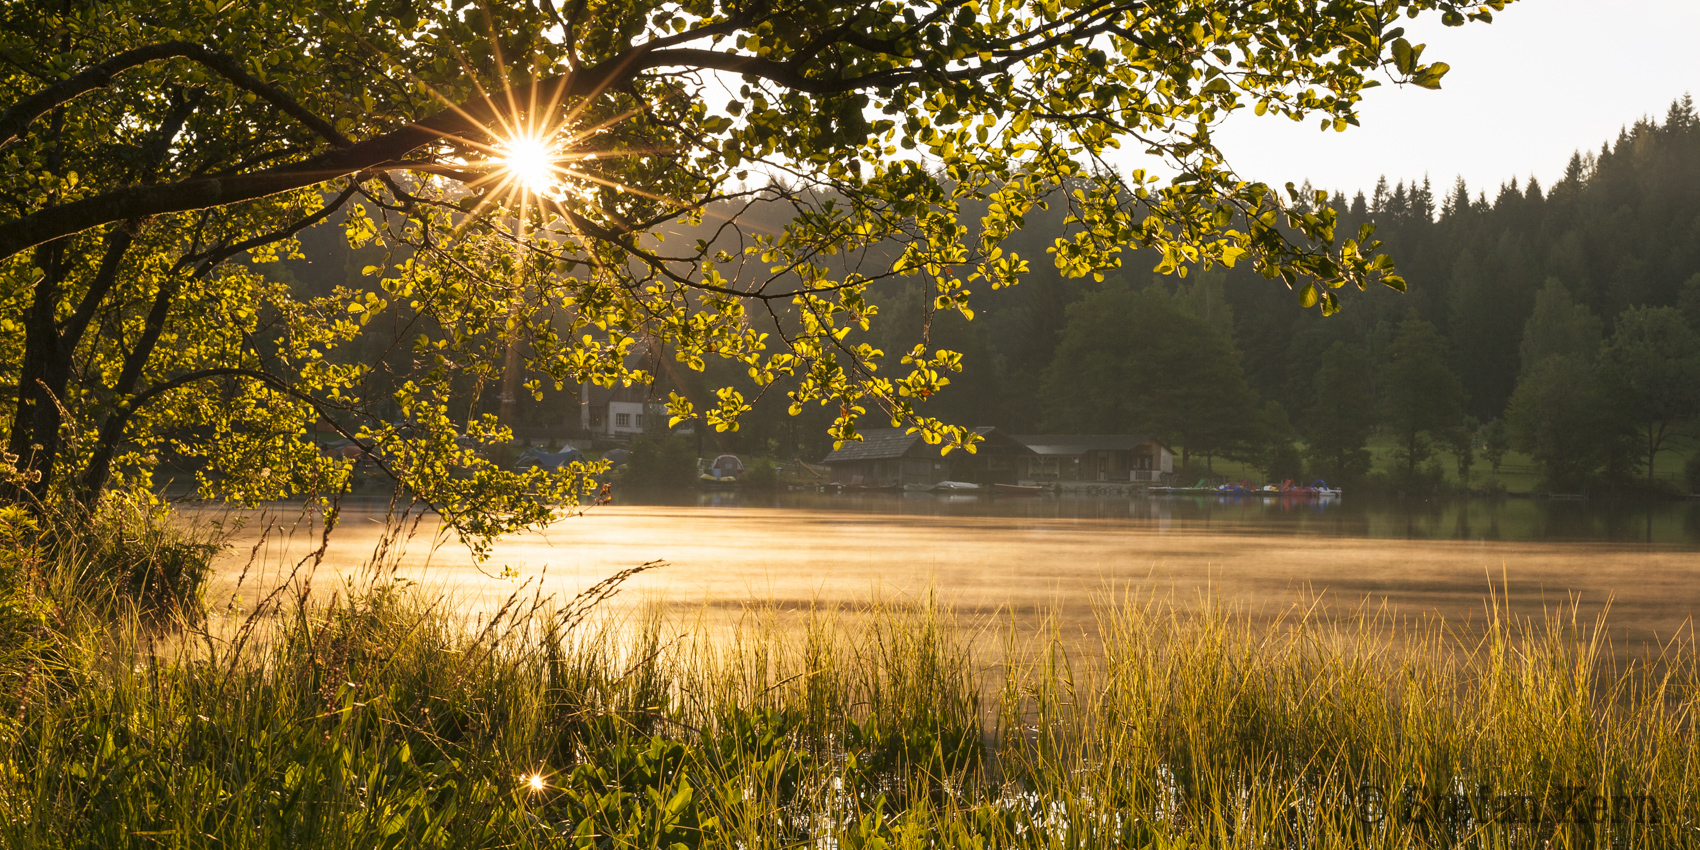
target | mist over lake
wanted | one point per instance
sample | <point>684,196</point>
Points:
<point>1042,557</point>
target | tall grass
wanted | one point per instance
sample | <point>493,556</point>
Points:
<point>383,719</point>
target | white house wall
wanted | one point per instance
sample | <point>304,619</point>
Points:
<point>628,417</point>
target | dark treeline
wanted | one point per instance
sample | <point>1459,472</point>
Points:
<point>1561,321</point>
<point>1558,320</point>
<point>1596,277</point>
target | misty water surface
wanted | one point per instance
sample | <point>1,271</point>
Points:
<point>1038,557</point>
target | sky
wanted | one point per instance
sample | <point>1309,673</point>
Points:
<point>1545,78</point>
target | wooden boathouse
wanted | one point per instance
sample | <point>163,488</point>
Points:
<point>1112,458</point>
<point>890,458</point>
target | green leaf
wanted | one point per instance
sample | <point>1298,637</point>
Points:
<point>1429,76</point>
<point>1405,56</point>
<point>1308,295</point>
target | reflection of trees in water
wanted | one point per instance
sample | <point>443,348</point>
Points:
<point>1349,520</point>
<point>1638,521</point>
<point>1423,519</point>
<point>1660,523</point>
<point>1493,520</point>
<point>1621,522</point>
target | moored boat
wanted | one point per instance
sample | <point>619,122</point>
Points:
<point>1202,488</point>
<point>943,487</point>
<point>956,487</point>
<point>1317,489</point>
<point>723,473</point>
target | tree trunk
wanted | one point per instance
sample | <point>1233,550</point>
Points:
<point>112,429</point>
<point>35,420</point>
<point>48,348</point>
<point>1652,452</point>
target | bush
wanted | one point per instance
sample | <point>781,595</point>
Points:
<point>761,474</point>
<point>1428,480</point>
<point>129,553</point>
<point>134,550</point>
<point>504,455</point>
<point>23,613</point>
<point>661,462</point>
<point>1284,462</point>
<point>1691,471</point>
<point>71,583</point>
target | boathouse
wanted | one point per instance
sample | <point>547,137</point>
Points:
<point>888,457</point>
<point>1120,458</point>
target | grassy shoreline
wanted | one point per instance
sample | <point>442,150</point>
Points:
<point>380,719</point>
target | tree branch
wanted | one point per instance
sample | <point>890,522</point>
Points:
<point>211,258</point>
<point>469,119</point>
<point>106,445</point>
<point>15,121</point>
<point>117,244</point>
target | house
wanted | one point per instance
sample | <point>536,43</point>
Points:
<point>619,411</point>
<point>1132,458</point>
<point>888,457</point>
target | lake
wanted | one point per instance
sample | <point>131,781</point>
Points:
<point>1049,557</point>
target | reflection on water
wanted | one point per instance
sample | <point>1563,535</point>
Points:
<point>1666,523</point>
<point>1045,558</point>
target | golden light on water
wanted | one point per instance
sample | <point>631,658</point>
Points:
<point>535,782</point>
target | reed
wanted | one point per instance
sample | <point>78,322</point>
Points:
<point>382,719</point>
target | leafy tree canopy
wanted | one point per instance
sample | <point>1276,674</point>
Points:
<point>516,167</point>
<point>1137,360</point>
<point>1558,327</point>
<point>1563,416</point>
<point>1342,415</point>
<point>1421,395</point>
<point>1654,358</point>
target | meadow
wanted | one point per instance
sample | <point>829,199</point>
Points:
<point>377,716</point>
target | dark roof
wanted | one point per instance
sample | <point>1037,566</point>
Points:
<point>876,444</point>
<point>997,442</point>
<point>884,443</point>
<point>1074,444</point>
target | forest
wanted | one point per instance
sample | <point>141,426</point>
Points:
<point>1560,321</point>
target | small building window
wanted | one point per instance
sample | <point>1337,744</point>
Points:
<point>622,420</point>
<point>637,421</point>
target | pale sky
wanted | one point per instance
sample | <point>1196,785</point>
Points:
<point>1545,78</point>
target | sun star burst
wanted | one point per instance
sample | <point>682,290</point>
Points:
<point>532,164</point>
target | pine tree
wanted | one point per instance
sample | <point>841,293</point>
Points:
<point>1422,202</point>
<point>1576,171</point>
<point>1458,202</point>
<point>1399,206</point>
<point>1341,415</point>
